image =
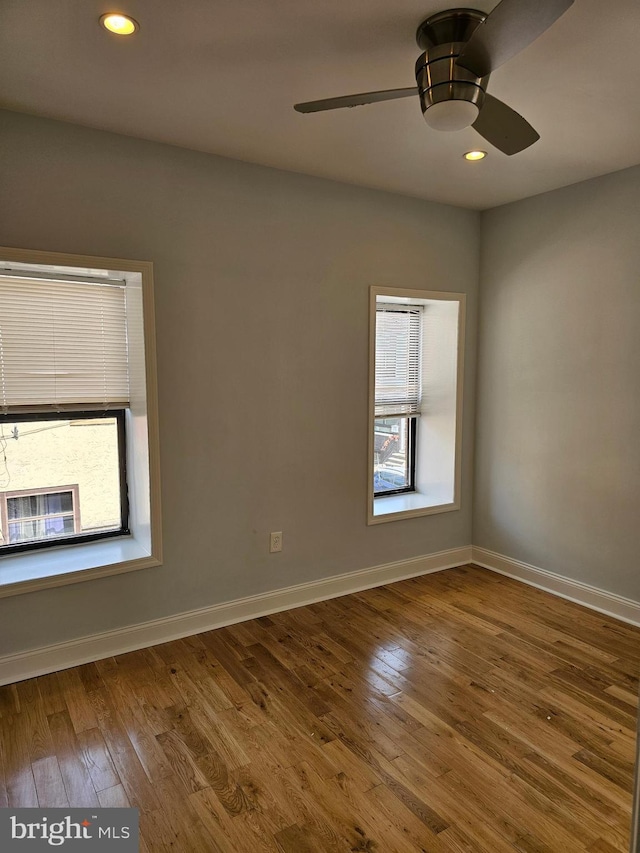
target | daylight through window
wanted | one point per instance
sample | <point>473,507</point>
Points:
<point>416,349</point>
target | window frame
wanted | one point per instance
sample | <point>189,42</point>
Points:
<point>77,537</point>
<point>142,547</point>
<point>383,508</point>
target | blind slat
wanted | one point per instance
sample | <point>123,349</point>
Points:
<point>62,344</point>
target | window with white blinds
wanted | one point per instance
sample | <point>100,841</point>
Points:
<point>397,360</point>
<point>63,345</point>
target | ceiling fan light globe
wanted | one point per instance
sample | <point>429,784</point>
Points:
<point>451,115</point>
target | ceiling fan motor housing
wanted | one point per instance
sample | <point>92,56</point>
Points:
<point>450,96</point>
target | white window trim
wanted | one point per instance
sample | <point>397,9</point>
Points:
<point>142,548</point>
<point>419,503</point>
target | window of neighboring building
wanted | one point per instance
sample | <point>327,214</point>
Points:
<point>34,517</point>
<point>77,406</point>
<point>415,402</point>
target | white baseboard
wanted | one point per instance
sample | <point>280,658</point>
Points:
<point>40,661</point>
<point>625,609</point>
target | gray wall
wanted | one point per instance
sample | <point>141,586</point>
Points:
<point>262,284</point>
<point>558,419</point>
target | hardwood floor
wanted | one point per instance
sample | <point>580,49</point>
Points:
<point>460,712</point>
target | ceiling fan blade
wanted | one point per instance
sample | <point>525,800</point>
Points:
<point>511,27</point>
<point>503,127</point>
<point>354,100</point>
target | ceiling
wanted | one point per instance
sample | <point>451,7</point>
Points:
<point>223,77</point>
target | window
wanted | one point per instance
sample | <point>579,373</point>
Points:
<point>37,516</point>
<point>397,396</point>
<point>394,455</point>
<point>78,420</point>
<point>416,345</point>
<point>39,457</point>
<point>63,346</point>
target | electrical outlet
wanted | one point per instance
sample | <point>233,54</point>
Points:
<point>275,542</point>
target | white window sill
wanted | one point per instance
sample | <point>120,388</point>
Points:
<point>409,505</point>
<point>65,564</point>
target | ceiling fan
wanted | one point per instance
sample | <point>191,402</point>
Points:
<point>461,49</point>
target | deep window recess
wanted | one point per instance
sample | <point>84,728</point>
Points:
<point>397,397</point>
<point>64,389</point>
<point>416,355</point>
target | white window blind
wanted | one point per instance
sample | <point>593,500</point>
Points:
<point>398,375</point>
<point>63,345</point>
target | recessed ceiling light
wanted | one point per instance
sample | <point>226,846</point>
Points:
<point>475,155</point>
<point>121,25</point>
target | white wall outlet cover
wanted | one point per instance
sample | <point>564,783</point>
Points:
<point>275,542</point>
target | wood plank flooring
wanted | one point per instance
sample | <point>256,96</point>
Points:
<point>460,712</point>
